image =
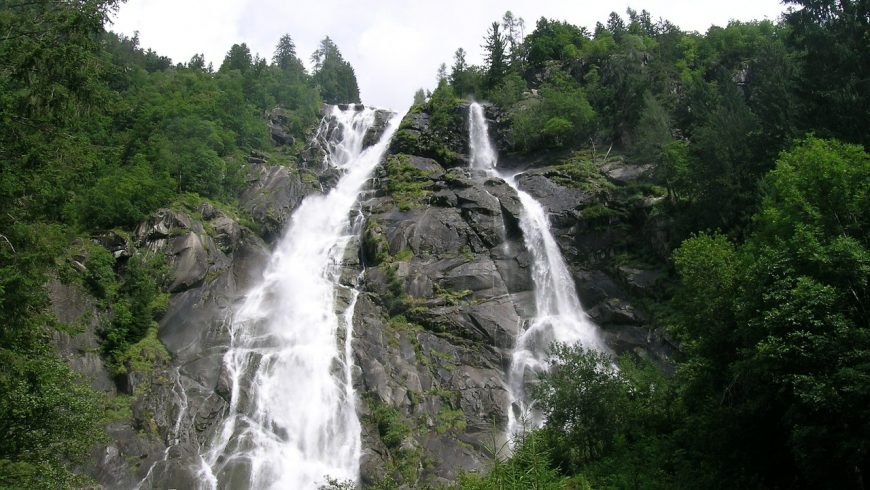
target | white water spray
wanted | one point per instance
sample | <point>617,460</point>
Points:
<point>292,416</point>
<point>559,316</point>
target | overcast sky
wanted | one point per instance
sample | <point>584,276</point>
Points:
<point>395,46</point>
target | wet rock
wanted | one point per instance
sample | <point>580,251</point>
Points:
<point>162,224</point>
<point>190,262</point>
<point>272,195</point>
<point>640,279</point>
<point>373,135</point>
<point>595,286</point>
<point>208,211</point>
<point>278,122</point>
<point>125,461</point>
<point>116,243</point>
<point>616,311</point>
<point>76,308</point>
<point>227,233</point>
<point>622,173</point>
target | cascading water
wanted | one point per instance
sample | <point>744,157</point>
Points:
<point>292,417</point>
<point>559,316</point>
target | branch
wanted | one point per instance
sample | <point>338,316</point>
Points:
<point>8,242</point>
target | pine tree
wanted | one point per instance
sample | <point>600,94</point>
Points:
<point>333,75</point>
<point>495,58</point>
<point>285,56</point>
<point>238,58</point>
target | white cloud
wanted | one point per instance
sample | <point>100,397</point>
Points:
<point>395,46</point>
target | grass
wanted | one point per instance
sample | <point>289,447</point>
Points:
<point>408,185</point>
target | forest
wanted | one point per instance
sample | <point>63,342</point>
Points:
<point>758,135</point>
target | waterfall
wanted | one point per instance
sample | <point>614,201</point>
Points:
<point>559,316</point>
<point>292,416</point>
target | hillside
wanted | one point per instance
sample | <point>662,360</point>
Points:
<point>707,193</point>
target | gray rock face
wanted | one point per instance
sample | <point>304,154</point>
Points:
<point>622,173</point>
<point>278,121</point>
<point>271,196</point>
<point>72,306</point>
<point>592,223</point>
<point>212,261</point>
<point>445,293</point>
<point>438,319</point>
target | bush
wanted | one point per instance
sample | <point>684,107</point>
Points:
<point>123,197</point>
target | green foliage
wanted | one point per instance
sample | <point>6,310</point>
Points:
<point>442,108</point>
<point>452,297</point>
<point>144,355</point>
<point>654,144</point>
<point>134,310</point>
<point>426,144</point>
<point>554,40</point>
<point>238,58</point>
<point>123,197</point>
<point>830,40</point>
<point>48,414</point>
<point>580,170</point>
<point>391,428</point>
<point>529,467</point>
<point>509,91</point>
<point>607,426</point>
<point>495,56</point>
<point>333,75</point>
<point>50,420</point>
<point>465,80</point>
<point>408,185</point>
<point>582,397</point>
<point>448,419</point>
<point>419,98</point>
<point>777,327</point>
<point>560,115</point>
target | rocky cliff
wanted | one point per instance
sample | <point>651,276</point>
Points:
<point>445,290</point>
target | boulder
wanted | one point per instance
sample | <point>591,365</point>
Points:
<point>161,225</point>
<point>189,262</point>
<point>559,200</point>
<point>623,173</point>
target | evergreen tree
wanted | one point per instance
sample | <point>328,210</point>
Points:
<point>831,38</point>
<point>441,76</point>
<point>513,28</point>
<point>238,58</point>
<point>197,62</point>
<point>495,56</point>
<point>285,57</point>
<point>333,75</point>
<point>419,97</point>
<point>460,77</point>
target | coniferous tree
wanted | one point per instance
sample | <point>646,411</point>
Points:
<point>238,58</point>
<point>419,97</point>
<point>286,59</point>
<point>460,78</point>
<point>441,76</point>
<point>514,28</point>
<point>333,75</point>
<point>495,56</point>
<point>197,62</point>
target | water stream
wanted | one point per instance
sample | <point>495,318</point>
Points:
<point>559,316</point>
<point>292,418</point>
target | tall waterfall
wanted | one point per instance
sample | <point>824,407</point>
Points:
<point>559,316</point>
<point>292,417</point>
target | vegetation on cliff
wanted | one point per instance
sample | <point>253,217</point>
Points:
<point>756,133</point>
<point>97,134</point>
<point>768,194</point>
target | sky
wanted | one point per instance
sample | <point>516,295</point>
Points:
<point>395,46</point>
